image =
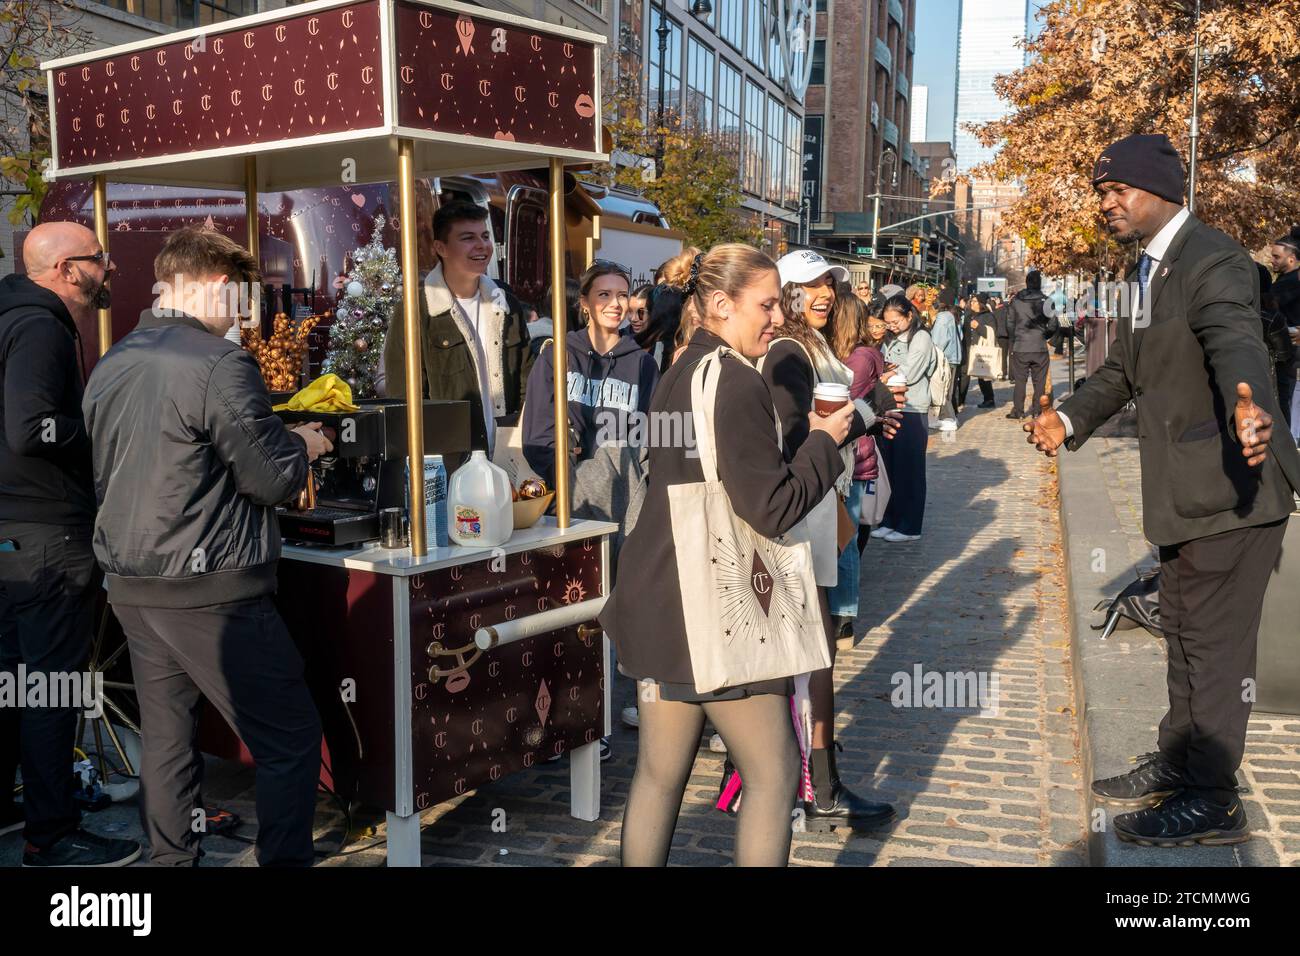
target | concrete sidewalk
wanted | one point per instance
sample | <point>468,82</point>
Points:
<point>1120,682</point>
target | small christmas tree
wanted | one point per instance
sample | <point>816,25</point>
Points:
<point>370,297</point>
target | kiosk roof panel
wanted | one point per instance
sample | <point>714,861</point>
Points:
<point>320,93</point>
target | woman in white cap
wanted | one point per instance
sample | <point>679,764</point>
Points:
<point>796,363</point>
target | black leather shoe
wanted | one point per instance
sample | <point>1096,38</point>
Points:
<point>1014,416</point>
<point>1184,820</point>
<point>1154,779</point>
<point>985,405</point>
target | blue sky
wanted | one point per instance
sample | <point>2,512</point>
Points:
<point>935,64</point>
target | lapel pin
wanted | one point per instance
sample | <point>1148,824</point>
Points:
<point>1164,272</point>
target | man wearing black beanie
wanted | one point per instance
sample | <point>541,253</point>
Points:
<point>1217,482</point>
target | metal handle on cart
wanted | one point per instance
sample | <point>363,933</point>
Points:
<point>507,632</point>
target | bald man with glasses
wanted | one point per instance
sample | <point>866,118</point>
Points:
<point>48,575</point>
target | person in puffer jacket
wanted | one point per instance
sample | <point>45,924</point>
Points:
<point>189,463</point>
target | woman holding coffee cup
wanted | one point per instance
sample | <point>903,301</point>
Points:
<point>910,349</point>
<point>805,376</point>
<point>734,289</point>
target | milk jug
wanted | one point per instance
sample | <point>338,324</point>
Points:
<point>479,504</point>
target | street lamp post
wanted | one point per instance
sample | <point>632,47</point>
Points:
<point>1196,118</point>
<point>699,9</point>
<point>875,216</point>
<point>662,31</point>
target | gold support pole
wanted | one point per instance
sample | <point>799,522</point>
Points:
<point>559,321</point>
<point>101,233</point>
<point>411,329</point>
<point>251,223</point>
<point>593,244</point>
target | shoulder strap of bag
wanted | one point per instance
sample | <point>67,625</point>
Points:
<point>704,395</point>
<point>704,398</point>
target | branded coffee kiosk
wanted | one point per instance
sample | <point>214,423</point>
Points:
<point>436,670</point>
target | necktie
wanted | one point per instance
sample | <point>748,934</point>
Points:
<point>1144,280</point>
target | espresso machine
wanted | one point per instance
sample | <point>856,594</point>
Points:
<point>366,471</point>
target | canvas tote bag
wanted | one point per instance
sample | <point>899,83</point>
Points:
<point>985,357</point>
<point>749,603</point>
<point>875,496</point>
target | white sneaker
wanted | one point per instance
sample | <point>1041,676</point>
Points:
<point>631,717</point>
<point>896,536</point>
<point>933,425</point>
<point>716,744</point>
<point>948,425</point>
<point>882,532</point>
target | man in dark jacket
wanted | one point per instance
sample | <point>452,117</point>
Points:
<point>1218,482</point>
<point>1028,329</point>
<point>48,578</point>
<point>190,463</point>
<point>474,334</point>
<point>1285,254</point>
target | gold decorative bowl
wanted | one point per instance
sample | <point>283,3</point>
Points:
<point>528,510</point>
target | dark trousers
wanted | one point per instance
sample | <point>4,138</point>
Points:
<point>1211,597</point>
<point>1005,346</point>
<point>47,611</point>
<point>241,658</point>
<point>904,457</point>
<point>1025,365</point>
<point>963,388</point>
<point>1286,375</point>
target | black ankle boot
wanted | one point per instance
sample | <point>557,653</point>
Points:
<point>833,805</point>
<point>842,627</point>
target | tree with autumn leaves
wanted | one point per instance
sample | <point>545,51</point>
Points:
<point>1103,69</point>
<point>30,31</point>
<point>696,187</point>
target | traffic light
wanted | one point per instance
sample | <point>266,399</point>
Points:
<point>916,247</point>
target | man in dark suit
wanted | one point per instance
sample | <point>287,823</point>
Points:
<point>1217,484</point>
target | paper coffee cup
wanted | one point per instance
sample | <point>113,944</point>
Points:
<point>897,380</point>
<point>829,396</point>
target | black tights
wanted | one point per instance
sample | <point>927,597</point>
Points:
<point>760,741</point>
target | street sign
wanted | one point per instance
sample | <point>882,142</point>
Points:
<point>864,251</point>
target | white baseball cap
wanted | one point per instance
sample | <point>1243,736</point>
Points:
<point>805,265</point>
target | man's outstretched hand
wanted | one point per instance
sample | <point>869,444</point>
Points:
<point>1254,426</point>
<point>1047,431</point>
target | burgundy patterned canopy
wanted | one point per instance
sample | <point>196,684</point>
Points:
<point>321,92</point>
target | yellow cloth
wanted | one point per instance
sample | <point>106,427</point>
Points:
<point>329,393</point>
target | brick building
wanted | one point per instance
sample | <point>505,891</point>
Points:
<point>858,121</point>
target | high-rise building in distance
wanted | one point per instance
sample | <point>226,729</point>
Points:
<point>988,45</point>
<point>920,112</point>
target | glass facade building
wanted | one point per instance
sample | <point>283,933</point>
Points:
<point>988,44</point>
